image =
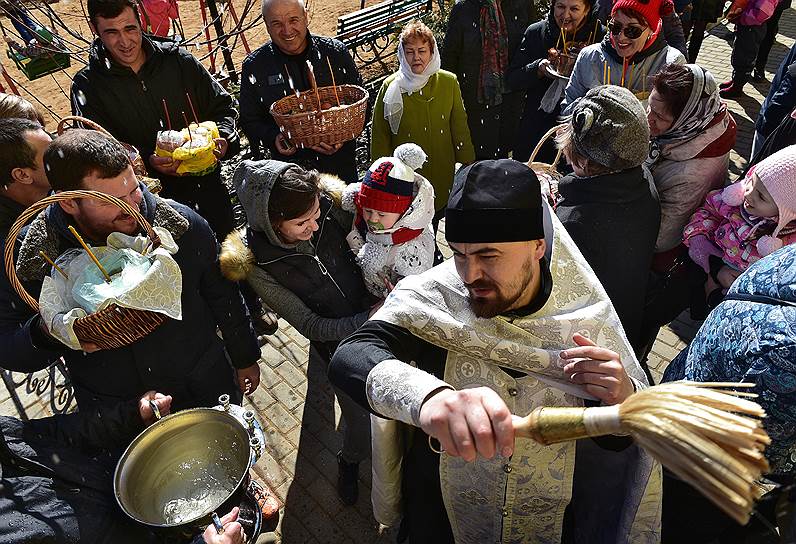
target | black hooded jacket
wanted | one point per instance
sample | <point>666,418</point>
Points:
<point>614,218</point>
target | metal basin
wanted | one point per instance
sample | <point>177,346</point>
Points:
<point>184,467</point>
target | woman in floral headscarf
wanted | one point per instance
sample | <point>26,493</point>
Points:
<point>422,104</point>
<point>692,133</point>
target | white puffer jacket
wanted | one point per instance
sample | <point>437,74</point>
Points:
<point>379,257</point>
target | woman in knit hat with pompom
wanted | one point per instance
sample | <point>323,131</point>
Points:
<point>392,234</point>
<point>744,222</point>
<point>633,49</point>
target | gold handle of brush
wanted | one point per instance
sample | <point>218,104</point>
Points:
<point>548,425</point>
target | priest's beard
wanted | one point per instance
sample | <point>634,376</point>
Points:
<point>503,297</point>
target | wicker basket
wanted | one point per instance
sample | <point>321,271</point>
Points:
<point>548,173</point>
<point>111,327</point>
<point>305,124</point>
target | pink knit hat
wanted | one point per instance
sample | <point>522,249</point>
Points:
<point>778,174</point>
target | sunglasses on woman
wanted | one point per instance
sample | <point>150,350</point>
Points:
<point>632,32</point>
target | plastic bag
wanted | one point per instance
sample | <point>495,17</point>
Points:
<point>149,281</point>
<point>196,154</point>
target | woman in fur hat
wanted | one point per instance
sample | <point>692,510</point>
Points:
<point>609,204</point>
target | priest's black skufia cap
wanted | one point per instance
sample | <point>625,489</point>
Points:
<point>494,201</point>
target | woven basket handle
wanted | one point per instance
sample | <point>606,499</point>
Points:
<point>314,85</point>
<point>34,210</point>
<point>549,134</point>
<point>62,124</point>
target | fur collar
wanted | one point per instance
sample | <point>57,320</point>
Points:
<point>46,233</point>
<point>237,260</point>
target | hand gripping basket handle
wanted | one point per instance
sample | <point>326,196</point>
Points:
<point>84,121</point>
<point>34,210</point>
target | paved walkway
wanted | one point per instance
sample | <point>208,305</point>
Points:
<point>296,404</point>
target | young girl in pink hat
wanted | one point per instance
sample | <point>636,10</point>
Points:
<point>745,221</point>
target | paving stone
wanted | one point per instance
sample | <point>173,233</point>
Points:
<point>279,446</point>
<point>269,470</point>
<point>271,355</point>
<point>292,375</point>
<point>260,399</point>
<point>356,526</point>
<point>289,462</point>
<point>269,377</point>
<point>278,416</point>
<point>325,494</point>
<point>286,395</point>
<point>296,354</point>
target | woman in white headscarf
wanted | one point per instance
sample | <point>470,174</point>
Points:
<point>422,104</point>
<point>692,133</point>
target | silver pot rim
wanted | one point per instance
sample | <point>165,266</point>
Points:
<point>164,421</point>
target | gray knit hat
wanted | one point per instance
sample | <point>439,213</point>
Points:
<point>609,127</point>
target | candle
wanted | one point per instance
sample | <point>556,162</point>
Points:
<point>90,253</point>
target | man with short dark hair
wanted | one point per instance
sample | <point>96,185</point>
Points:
<point>23,180</point>
<point>130,77</point>
<point>280,67</point>
<point>512,322</point>
<point>183,357</point>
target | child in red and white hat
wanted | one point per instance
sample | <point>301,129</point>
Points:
<point>392,233</point>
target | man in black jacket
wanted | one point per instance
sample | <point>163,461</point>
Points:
<point>56,477</point>
<point>184,357</point>
<point>280,67</point>
<point>128,80</point>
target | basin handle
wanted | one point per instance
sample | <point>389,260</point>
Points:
<point>155,409</point>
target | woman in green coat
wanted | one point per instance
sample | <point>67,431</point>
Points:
<point>423,104</point>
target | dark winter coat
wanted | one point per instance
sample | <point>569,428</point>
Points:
<point>614,219</point>
<point>56,478</point>
<point>492,128</point>
<point>523,75</point>
<point>129,105</point>
<point>183,358</point>
<point>9,211</point>
<point>315,285</point>
<point>264,81</point>
<point>781,98</point>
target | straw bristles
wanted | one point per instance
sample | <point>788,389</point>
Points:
<point>711,439</point>
<point>707,434</point>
